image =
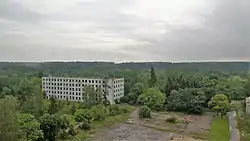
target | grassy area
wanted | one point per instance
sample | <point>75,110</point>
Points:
<point>219,130</point>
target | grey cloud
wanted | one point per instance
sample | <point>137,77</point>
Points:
<point>225,36</point>
<point>48,53</point>
<point>16,11</point>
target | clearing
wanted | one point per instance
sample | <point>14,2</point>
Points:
<point>187,128</point>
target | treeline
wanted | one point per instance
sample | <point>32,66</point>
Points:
<point>69,66</point>
<point>187,93</point>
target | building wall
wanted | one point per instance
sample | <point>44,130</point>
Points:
<point>72,89</point>
<point>248,106</point>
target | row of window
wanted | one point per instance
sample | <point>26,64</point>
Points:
<point>61,88</point>
<point>65,97</point>
<point>66,88</point>
<point>64,93</point>
<point>118,90</point>
<point>118,95</point>
<point>80,81</point>
<point>72,80</point>
<point>68,84</point>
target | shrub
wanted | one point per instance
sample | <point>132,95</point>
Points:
<point>171,119</point>
<point>99,112</point>
<point>86,125</point>
<point>82,114</point>
<point>62,134</point>
<point>124,109</point>
<point>72,131</point>
<point>144,112</point>
<point>124,99</point>
<point>114,110</point>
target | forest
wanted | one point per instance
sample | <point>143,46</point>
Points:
<point>190,88</point>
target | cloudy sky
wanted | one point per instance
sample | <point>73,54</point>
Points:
<point>124,30</point>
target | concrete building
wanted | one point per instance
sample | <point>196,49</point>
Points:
<point>72,89</point>
<point>248,106</point>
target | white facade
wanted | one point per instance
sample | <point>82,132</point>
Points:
<point>72,89</point>
<point>248,105</point>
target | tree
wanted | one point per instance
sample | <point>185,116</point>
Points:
<point>105,100</point>
<point>152,80</point>
<point>246,87</point>
<point>24,92</point>
<point>92,96</point>
<point>54,106</point>
<point>99,95</point>
<point>152,98</point>
<point>134,93</point>
<point>9,125</point>
<point>30,127</point>
<point>34,105</point>
<point>220,104</point>
<point>51,125</point>
<point>189,100</point>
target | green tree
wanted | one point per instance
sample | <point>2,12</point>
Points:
<point>134,93</point>
<point>34,105</point>
<point>30,127</point>
<point>54,106</point>
<point>105,100</point>
<point>246,87</point>
<point>91,96</point>
<point>51,125</point>
<point>220,104</point>
<point>152,80</point>
<point>24,92</point>
<point>152,98</point>
<point>189,100</point>
<point>9,125</point>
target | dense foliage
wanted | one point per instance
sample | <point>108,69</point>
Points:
<point>152,98</point>
<point>144,112</point>
<point>183,87</point>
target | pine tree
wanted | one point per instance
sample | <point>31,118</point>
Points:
<point>152,80</point>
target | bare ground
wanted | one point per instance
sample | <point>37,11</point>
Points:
<point>155,129</point>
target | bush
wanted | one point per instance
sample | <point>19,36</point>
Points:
<point>124,99</point>
<point>99,112</point>
<point>124,109</point>
<point>114,110</point>
<point>171,119</point>
<point>144,112</point>
<point>72,131</point>
<point>86,125</point>
<point>62,134</point>
<point>82,114</point>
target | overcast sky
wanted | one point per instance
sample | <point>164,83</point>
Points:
<point>124,30</point>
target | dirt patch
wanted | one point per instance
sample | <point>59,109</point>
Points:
<point>199,124</point>
<point>157,129</point>
<point>186,139</point>
<point>131,132</point>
